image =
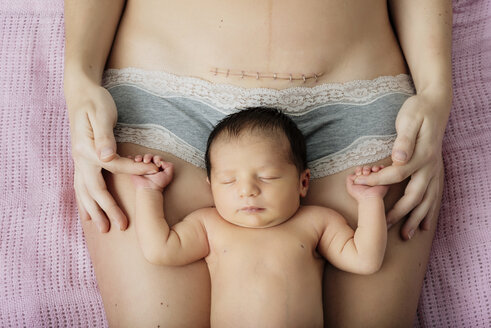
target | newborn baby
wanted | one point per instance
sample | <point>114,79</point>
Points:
<point>265,252</point>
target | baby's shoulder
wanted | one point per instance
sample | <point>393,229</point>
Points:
<point>202,214</point>
<point>316,210</point>
<point>318,214</point>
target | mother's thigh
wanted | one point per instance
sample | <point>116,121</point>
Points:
<point>388,298</point>
<point>136,293</point>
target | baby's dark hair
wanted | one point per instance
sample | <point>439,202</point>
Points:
<point>264,120</point>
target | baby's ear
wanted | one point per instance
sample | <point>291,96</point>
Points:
<point>304,182</point>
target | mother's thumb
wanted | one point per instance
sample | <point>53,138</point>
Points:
<point>104,141</point>
<point>403,149</point>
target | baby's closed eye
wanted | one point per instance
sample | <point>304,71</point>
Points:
<point>268,178</point>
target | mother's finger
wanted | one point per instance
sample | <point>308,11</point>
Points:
<point>431,215</point>
<point>84,153</point>
<point>102,120</point>
<point>407,128</point>
<point>425,224</point>
<point>95,212</point>
<point>123,165</point>
<point>96,187</point>
<point>413,194</point>
<point>82,212</point>
<point>389,175</point>
<point>419,212</point>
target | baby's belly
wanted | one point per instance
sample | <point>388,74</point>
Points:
<point>267,294</point>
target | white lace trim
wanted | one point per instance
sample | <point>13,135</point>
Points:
<point>228,97</point>
<point>158,137</point>
<point>364,150</point>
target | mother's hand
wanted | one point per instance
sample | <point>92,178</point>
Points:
<point>420,127</point>
<point>93,115</point>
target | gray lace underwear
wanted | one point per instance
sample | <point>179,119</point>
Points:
<point>345,124</point>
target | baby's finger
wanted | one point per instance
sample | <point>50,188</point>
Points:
<point>379,167</point>
<point>350,181</point>
<point>168,167</point>
<point>157,160</point>
<point>357,177</point>
<point>358,170</point>
<point>135,158</point>
<point>375,168</point>
<point>147,158</point>
<point>138,158</point>
<point>366,170</point>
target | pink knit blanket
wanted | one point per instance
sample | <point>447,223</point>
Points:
<point>46,277</point>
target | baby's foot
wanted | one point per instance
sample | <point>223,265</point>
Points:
<point>360,192</point>
<point>156,181</point>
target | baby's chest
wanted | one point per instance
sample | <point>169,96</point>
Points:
<point>263,252</point>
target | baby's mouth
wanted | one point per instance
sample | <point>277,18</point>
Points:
<point>252,209</point>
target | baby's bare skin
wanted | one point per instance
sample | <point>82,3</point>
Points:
<point>266,271</point>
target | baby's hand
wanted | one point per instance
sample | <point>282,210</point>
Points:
<point>156,181</point>
<point>360,192</point>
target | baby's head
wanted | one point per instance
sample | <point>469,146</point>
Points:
<point>257,167</point>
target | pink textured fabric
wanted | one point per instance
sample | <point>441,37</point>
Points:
<point>457,285</point>
<point>46,278</point>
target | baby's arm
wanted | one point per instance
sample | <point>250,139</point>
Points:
<point>182,244</point>
<point>361,251</point>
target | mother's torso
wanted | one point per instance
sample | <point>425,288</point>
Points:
<point>342,39</point>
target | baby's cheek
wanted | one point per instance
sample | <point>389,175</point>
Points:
<point>223,200</point>
<point>287,199</point>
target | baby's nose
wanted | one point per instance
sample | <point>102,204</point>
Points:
<point>248,189</point>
